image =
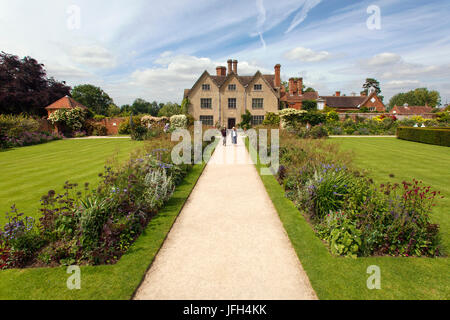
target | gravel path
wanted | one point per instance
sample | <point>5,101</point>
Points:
<point>228,242</point>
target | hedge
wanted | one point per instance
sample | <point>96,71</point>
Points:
<point>436,136</point>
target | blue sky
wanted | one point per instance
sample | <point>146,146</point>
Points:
<point>155,49</point>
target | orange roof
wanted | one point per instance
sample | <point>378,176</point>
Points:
<point>65,103</point>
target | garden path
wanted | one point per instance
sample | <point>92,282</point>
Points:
<point>228,242</point>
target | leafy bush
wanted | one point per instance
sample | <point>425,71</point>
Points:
<point>246,121</point>
<point>139,133</point>
<point>125,128</point>
<point>271,119</point>
<point>332,116</point>
<point>16,125</point>
<point>73,119</point>
<point>179,121</point>
<point>434,136</point>
<point>353,216</point>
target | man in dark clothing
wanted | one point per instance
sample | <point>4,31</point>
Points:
<point>224,135</point>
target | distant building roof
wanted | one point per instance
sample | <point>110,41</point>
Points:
<point>411,109</point>
<point>343,102</point>
<point>65,103</point>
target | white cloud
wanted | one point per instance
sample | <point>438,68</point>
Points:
<point>93,56</point>
<point>306,55</point>
<point>174,73</point>
<point>384,59</point>
<point>401,84</point>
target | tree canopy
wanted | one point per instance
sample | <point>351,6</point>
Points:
<point>417,97</point>
<point>170,109</point>
<point>371,82</point>
<point>25,87</point>
<point>97,100</point>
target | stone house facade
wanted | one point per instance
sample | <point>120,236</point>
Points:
<point>223,98</point>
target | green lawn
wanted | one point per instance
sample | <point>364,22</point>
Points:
<point>401,278</point>
<point>30,172</point>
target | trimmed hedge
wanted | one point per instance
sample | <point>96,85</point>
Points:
<point>436,136</point>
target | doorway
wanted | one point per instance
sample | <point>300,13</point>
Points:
<point>231,123</point>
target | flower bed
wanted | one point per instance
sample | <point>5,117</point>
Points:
<point>93,226</point>
<point>352,215</point>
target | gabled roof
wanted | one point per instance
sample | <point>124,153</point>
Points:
<point>412,109</point>
<point>65,103</point>
<point>342,102</point>
<point>285,96</point>
<point>244,80</point>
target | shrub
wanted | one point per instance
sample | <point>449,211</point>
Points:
<point>139,133</point>
<point>346,209</point>
<point>179,121</point>
<point>246,121</point>
<point>98,117</point>
<point>125,128</point>
<point>434,136</point>
<point>332,116</point>
<point>290,117</point>
<point>309,105</point>
<point>271,119</point>
<point>73,119</point>
<point>16,125</point>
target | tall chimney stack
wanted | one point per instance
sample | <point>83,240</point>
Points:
<point>235,67</point>
<point>300,86</point>
<point>221,71</point>
<point>338,93</point>
<point>278,76</point>
<point>230,66</point>
<point>291,86</point>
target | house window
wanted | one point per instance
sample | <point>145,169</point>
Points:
<point>232,104</point>
<point>207,120</point>
<point>372,109</point>
<point>206,103</point>
<point>206,87</point>
<point>258,87</point>
<point>258,103</point>
<point>257,120</point>
<point>232,87</point>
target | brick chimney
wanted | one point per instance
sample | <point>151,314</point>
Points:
<point>291,86</point>
<point>235,67</point>
<point>278,76</point>
<point>221,71</point>
<point>338,93</point>
<point>230,66</point>
<point>300,86</point>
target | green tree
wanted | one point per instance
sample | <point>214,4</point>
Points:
<point>113,110</point>
<point>309,105</point>
<point>170,109</point>
<point>97,100</point>
<point>140,106</point>
<point>185,106</point>
<point>370,82</point>
<point>417,97</point>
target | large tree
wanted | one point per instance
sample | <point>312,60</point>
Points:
<point>417,97</point>
<point>25,87</point>
<point>170,109</point>
<point>370,82</point>
<point>97,100</point>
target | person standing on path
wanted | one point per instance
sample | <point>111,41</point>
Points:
<point>234,136</point>
<point>224,135</point>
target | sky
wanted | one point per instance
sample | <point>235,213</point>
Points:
<point>156,49</point>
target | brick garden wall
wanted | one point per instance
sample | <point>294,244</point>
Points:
<point>112,124</point>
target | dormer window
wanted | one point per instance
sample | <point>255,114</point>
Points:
<point>206,87</point>
<point>232,87</point>
<point>257,87</point>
